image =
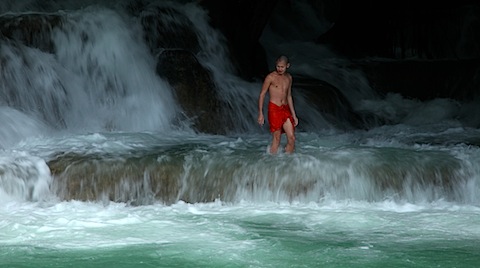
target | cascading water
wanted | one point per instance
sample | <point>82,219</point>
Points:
<point>100,78</point>
<point>97,170</point>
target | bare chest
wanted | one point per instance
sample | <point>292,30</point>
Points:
<point>280,84</point>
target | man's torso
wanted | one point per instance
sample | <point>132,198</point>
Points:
<point>279,88</point>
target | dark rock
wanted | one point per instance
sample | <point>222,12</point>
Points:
<point>242,23</point>
<point>330,102</point>
<point>424,30</point>
<point>33,30</point>
<point>137,181</point>
<point>425,80</point>
<point>166,28</point>
<point>195,90</point>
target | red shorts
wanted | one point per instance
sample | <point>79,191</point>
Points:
<point>278,115</point>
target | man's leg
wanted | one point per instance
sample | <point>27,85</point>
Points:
<point>290,132</point>
<point>276,136</point>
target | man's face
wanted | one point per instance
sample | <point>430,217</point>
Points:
<point>281,66</point>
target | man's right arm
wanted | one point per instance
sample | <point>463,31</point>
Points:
<point>263,92</point>
<point>261,99</point>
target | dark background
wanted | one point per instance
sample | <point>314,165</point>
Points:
<point>432,47</point>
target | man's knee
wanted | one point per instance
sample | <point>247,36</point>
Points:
<point>291,138</point>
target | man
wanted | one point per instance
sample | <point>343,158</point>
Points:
<point>281,113</point>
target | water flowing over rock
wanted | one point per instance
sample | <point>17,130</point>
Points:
<point>185,172</point>
<point>242,22</point>
<point>331,103</point>
<point>102,70</point>
<point>33,30</point>
<point>195,90</point>
<point>167,28</point>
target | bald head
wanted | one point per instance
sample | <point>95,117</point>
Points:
<point>282,58</point>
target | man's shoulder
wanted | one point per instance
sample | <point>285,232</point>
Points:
<point>271,76</point>
<point>272,73</point>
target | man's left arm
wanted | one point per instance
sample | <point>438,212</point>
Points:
<point>290,102</point>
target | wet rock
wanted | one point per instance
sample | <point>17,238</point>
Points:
<point>330,102</point>
<point>33,30</point>
<point>242,22</point>
<point>167,28</point>
<point>136,181</point>
<point>195,91</point>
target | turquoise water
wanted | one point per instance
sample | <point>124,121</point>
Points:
<point>342,220</point>
<point>332,234</point>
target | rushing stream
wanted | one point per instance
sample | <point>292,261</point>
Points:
<point>96,170</point>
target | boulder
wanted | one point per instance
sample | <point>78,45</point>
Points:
<point>330,102</point>
<point>242,23</point>
<point>33,30</point>
<point>195,90</point>
<point>166,28</point>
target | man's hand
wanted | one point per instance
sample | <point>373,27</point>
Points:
<point>261,120</point>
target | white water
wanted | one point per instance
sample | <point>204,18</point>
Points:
<point>332,166</point>
<point>262,228</point>
<point>98,96</point>
<point>247,233</point>
<point>101,79</point>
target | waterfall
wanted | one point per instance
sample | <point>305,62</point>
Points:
<point>99,76</point>
<point>106,123</point>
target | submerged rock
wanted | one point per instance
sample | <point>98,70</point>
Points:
<point>198,173</point>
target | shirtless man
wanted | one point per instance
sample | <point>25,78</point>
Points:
<point>281,113</point>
